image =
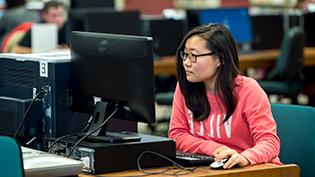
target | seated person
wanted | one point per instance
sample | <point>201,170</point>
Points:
<point>217,111</point>
<point>53,12</point>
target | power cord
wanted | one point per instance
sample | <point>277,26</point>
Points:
<point>72,134</point>
<point>43,91</point>
<point>88,134</point>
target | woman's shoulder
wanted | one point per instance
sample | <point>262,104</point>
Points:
<point>246,83</point>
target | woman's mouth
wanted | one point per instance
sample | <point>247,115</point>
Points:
<point>188,72</point>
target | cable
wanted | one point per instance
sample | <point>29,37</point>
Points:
<point>88,134</point>
<point>27,110</point>
<point>182,170</point>
<point>72,134</point>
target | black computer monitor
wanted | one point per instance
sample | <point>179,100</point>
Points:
<point>166,33</point>
<point>76,17</point>
<point>309,28</point>
<point>267,31</point>
<point>117,22</point>
<point>118,69</point>
<point>105,20</point>
<point>91,3</point>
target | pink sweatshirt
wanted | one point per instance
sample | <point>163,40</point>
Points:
<point>250,131</point>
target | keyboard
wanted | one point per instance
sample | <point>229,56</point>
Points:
<point>191,159</point>
<point>39,163</point>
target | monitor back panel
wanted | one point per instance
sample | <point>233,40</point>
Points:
<point>267,31</point>
<point>92,3</point>
<point>127,22</point>
<point>309,27</point>
<point>161,30</point>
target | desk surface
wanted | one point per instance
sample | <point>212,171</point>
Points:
<point>262,170</point>
<point>264,58</point>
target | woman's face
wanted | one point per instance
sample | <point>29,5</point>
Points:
<point>205,67</point>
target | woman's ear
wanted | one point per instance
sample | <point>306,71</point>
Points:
<point>218,62</point>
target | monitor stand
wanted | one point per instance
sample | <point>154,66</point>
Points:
<point>98,123</point>
<point>114,137</point>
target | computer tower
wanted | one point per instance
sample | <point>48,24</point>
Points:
<point>12,111</point>
<point>23,76</point>
<point>105,157</point>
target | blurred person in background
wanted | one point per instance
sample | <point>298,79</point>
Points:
<point>53,12</point>
<point>14,14</point>
<point>306,5</point>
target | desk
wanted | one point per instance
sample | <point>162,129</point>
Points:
<point>262,170</point>
<point>264,58</point>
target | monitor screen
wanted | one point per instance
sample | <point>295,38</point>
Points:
<point>236,19</point>
<point>115,68</point>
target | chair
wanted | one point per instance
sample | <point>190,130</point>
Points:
<point>11,164</point>
<point>162,123</point>
<point>296,129</point>
<point>15,36</point>
<point>165,86</point>
<point>286,78</point>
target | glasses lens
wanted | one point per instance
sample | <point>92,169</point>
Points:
<point>183,55</point>
<point>192,58</point>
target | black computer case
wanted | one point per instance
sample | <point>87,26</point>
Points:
<point>23,76</point>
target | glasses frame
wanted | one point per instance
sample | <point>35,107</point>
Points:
<point>192,57</point>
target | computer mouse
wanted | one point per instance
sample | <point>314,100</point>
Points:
<point>218,165</point>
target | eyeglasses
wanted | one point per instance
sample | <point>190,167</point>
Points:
<point>192,57</point>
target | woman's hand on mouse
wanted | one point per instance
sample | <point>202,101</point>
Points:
<point>234,157</point>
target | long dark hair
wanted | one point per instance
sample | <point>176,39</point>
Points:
<point>220,41</point>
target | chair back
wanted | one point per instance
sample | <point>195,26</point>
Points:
<point>290,62</point>
<point>296,129</point>
<point>11,163</point>
<point>15,36</point>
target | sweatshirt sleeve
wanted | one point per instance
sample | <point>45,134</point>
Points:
<point>262,126</point>
<point>180,131</point>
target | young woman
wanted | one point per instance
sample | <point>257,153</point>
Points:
<point>216,111</point>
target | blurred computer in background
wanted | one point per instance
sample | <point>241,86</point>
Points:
<point>309,27</point>
<point>105,20</point>
<point>267,31</point>
<point>75,4</point>
<point>237,21</point>
<point>166,33</point>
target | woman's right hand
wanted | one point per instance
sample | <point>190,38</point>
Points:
<point>234,157</point>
